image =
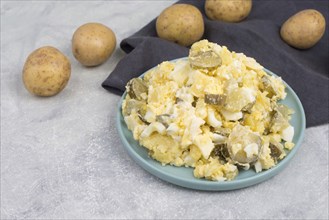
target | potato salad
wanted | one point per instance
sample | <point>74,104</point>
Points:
<point>216,111</point>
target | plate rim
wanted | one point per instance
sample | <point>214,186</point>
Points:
<point>207,185</point>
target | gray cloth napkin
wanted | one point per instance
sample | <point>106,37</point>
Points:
<point>306,71</point>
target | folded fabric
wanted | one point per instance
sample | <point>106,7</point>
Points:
<point>258,36</point>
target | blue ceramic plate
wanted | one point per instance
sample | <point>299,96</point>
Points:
<point>183,176</point>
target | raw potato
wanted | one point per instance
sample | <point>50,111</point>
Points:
<point>93,44</point>
<point>304,29</point>
<point>180,23</point>
<point>46,71</point>
<point>228,10</point>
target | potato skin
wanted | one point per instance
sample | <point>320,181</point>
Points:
<point>228,10</point>
<point>180,23</point>
<point>46,71</point>
<point>93,44</point>
<point>304,29</point>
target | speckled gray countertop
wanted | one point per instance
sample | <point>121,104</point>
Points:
<point>61,157</point>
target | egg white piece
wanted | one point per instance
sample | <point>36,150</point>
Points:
<point>218,139</point>
<point>288,133</point>
<point>231,116</point>
<point>212,120</point>
<point>251,150</point>
<point>205,144</point>
<point>153,127</point>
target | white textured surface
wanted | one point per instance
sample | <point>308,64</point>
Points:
<point>61,157</point>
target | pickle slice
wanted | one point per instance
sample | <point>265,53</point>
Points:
<point>248,107</point>
<point>141,117</point>
<point>280,119</point>
<point>221,151</point>
<point>132,104</point>
<point>268,86</point>
<point>135,88</point>
<point>205,55</point>
<point>222,131</point>
<point>239,143</point>
<point>205,59</point>
<point>214,99</point>
<point>277,151</point>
